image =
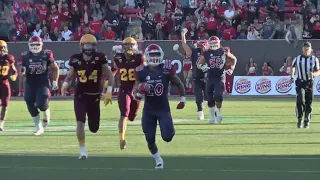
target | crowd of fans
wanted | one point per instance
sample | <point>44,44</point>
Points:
<point>65,20</point>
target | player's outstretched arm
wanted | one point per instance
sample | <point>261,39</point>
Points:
<point>106,69</point>
<point>184,44</point>
<point>55,71</point>
<point>176,80</point>
<point>67,80</point>
<point>14,75</point>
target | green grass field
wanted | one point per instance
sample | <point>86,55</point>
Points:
<point>258,140</point>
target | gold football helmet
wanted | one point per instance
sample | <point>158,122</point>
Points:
<point>3,48</point>
<point>129,45</point>
<point>88,44</point>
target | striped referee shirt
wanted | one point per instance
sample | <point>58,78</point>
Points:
<point>304,66</point>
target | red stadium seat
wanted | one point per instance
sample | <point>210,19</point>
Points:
<point>130,12</point>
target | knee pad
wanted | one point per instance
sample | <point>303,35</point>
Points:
<point>211,103</point>
<point>218,99</point>
<point>93,127</point>
<point>132,117</point>
<point>168,138</point>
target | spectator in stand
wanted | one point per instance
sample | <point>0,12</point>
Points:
<point>108,34</point>
<point>130,4</point>
<point>229,14</point>
<point>21,28</point>
<point>147,23</point>
<point>86,14</point>
<point>271,8</point>
<point>227,31</point>
<point>279,26</point>
<point>95,26</point>
<point>66,33</point>
<point>253,11</point>
<point>293,35</point>
<point>60,38</point>
<point>98,12</point>
<point>44,31</point>
<point>46,38</point>
<point>281,12</point>
<point>43,11</point>
<point>123,23</point>
<point>75,17</point>
<point>117,29</point>
<point>137,34</point>
<point>158,34</point>
<point>44,24</point>
<point>202,32</point>
<point>267,69</point>
<point>268,29</point>
<point>192,33</point>
<point>253,34</point>
<point>54,17</point>
<point>112,15</point>
<point>212,25</point>
<point>251,68</point>
<point>37,31</point>
<point>32,17</point>
<point>55,34</point>
<point>78,34</point>
<point>65,15</point>
<point>286,68</point>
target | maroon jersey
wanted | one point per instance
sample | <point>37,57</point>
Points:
<point>88,73</point>
<point>126,69</point>
<point>5,63</point>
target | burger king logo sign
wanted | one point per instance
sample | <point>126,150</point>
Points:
<point>242,85</point>
<point>318,86</point>
<point>263,86</point>
<point>283,85</point>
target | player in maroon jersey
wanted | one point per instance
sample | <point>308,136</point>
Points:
<point>88,67</point>
<point>126,62</point>
<point>6,62</point>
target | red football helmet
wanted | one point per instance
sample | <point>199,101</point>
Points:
<point>35,44</point>
<point>214,43</point>
<point>154,55</point>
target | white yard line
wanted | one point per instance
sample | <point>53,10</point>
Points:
<point>145,169</point>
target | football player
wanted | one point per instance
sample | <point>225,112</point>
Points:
<point>88,66</point>
<point>213,61</point>
<point>125,62</point>
<point>153,82</point>
<point>35,65</point>
<point>197,75</point>
<point>6,63</point>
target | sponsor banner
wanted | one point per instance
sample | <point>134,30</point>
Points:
<point>266,85</point>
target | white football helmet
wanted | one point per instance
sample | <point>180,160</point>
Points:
<point>154,55</point>
<point>35,44</point>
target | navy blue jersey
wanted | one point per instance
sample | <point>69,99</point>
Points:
<point>37,71</point>
<point>158,80</point>
<point>196,73</point>
<point>216,60</point>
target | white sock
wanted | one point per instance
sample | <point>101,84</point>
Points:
<point>83,148</point>
<point>36,120</point>
<point>218,111</point>
<point>156,156</point>
<point>46,115</point>
<point>117,89</point>
<point>212,111</point>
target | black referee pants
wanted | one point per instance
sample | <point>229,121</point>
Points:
<point>304,99</point>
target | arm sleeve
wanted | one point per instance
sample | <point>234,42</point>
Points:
<point>316,66</point>
<point>294,62</point>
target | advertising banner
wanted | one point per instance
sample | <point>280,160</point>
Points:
<point>267,85</point>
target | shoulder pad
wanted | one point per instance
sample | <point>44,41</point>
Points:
<point>74,59</point>
<point>140,68</point>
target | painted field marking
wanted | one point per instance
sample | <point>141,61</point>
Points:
<point>145,169</point>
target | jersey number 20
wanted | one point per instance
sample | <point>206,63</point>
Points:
<point>4,70</point>
<point>83,78</point>
<point>127,75</point>
<point>156,90</point>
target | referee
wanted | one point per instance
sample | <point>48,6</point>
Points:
<point>305,66</point>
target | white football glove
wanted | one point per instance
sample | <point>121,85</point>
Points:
<point>175,47</point>
<point>203,67</point>
<point>55,85</point>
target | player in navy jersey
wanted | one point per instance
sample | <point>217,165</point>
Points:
<point>35,66</point>
<point>213,61</point>
<point>6,63</point>
<point>197,75</point>
<point>153,81</point>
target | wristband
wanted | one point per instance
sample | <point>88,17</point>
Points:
<point>183,99</point>
<point>109,89</point>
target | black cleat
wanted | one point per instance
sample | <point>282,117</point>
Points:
<point>306,125</point>
<point>1,129</point>
<point>299,125</point>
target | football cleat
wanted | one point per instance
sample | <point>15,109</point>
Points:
<point>45,123</point>
<point>219,119</point>
<point>123,144</point>
<point>38,131</point>
<point>1,129</point>
<point>306,125</point>
<point>83,155</point>
<point>200,115</point>
<point>159,164</point>
<point>299,125</point>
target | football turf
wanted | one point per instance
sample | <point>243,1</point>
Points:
<point>258,140</point>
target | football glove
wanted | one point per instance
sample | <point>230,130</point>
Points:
<point>108,96</point>
<point>13,77</point>
<point>55,85</point>
<point>182,103</point>
<point>64,87</point>
<point>203,67</point>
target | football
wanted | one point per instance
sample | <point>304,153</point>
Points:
<point>143,88</point>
